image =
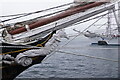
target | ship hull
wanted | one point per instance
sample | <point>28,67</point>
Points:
<point>11,71</point>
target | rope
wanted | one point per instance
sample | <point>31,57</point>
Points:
<point>94,17</point>
<point>26,14</point>
<point>50,53</point>
<point>79,35</point>
<point>20,47</point>
<point>101,16</point>
<point>34,18</point>
<point>89,19</point>
<point>27,46</point>
<point>101,58</point>
<point>48,56</point>
<point>88,48</point>
<point>62,46</point>
<point>102,25</point>
<point>36,11</point>
<point>40,17</point>
<point>93,23</point>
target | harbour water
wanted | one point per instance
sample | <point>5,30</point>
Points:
<point>77,65</point>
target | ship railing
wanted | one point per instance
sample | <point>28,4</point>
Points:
<point>65,22</point>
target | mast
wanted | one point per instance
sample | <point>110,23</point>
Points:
<point>48,20</point>
<point>119,17</point>
<point>108,28</point>
<point>119,39</point>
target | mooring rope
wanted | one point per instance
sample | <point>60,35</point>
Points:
<point>80,33</point>
<point>67,47</point>
<point>21,47</point>
<point>73,38</point>
<point>77,36</point>
<point>101,58</point>
<point>89,47</point>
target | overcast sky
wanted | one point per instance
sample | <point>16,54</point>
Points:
<point>23,6</point>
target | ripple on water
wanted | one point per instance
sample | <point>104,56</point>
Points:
<point>72,66</point>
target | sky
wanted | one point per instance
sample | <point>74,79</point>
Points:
<point>21,6</point>
<point>25,6</point>
<point>8,7</point>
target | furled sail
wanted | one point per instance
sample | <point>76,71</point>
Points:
<point>48,20</point>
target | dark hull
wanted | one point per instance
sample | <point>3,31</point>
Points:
<point>13,70</point>
<point>9,72</point>
<point>106,44</point>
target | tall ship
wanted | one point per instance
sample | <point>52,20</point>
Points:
<point>107,31</point>
<point>28,42</point>
<point>104,29</point>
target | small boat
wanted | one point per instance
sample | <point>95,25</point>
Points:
<point>108,31</point>
<point>90,34</point>
<point>104,43</point>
